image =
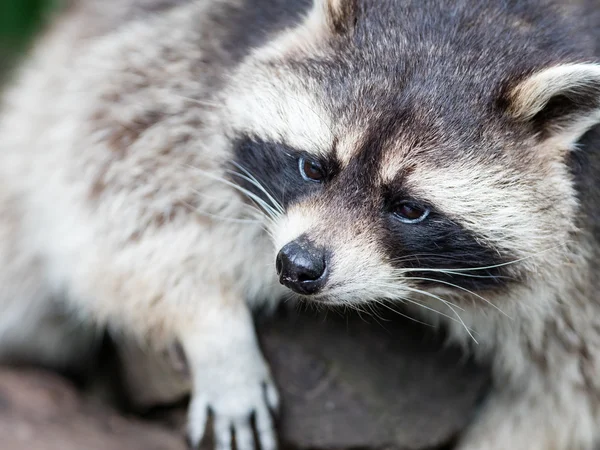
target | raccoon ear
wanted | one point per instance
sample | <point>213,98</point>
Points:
<point>560,102</point>
<point>337,16</point>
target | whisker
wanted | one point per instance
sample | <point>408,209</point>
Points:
<point>454,272</point>
<point>253,211</point>
<point>452,307</point>
<point>394,292</point>
<point>461,288</point>
<point>374,312</point>
<point>458,319</point>
<point>265,206</point>
<point>252,179</point>
<point>358,311</point>
<point>429,294</point>
<point>406,316</point>
<point>466,269</point>
<point>195,209</point>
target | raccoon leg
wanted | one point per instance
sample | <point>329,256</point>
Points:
<point>541,417</point>
<point>230,379</point>
<point>164,293</point>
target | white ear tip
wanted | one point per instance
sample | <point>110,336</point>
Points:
<point>338,15</point>
<point>532,94</point>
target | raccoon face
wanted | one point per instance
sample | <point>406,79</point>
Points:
<point>390,179</point>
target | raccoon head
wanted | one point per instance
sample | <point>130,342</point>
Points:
<point>395,158</point>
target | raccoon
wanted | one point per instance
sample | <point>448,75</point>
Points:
<point>170,165</point>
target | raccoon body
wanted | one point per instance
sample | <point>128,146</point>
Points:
<point>168,165</point>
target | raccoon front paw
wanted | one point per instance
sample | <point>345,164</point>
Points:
<point>234,407</point>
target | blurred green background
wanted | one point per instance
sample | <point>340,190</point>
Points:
<point>19,20</point>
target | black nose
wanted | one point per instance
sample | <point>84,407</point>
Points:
<point>302,267</point>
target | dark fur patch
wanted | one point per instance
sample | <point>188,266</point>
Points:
<point>437,244</point>
<point>275,167</point>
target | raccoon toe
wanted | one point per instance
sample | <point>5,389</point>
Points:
<point>265,429</point>
<point>232,414</point>
<point>197,418</point>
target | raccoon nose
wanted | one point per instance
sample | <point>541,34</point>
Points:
<point>302,267</point>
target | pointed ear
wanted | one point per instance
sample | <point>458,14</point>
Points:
<point>561,102</point>
<point>335,16</point>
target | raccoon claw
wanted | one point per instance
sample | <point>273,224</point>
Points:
<point>232,416</point>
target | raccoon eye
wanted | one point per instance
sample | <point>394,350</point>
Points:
<point>311,170</point>
<point>410,212</point>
